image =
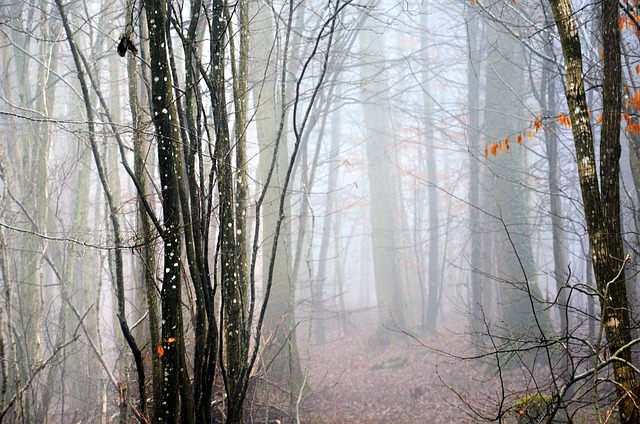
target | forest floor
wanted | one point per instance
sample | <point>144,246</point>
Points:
<point>355,380</point>
<point>414,379</point>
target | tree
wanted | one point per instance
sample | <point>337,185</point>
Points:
<point>280,357</point>
<point>430,316</point>
<point>601,195</point>
<point>382,183</point>
<point>519,301</point>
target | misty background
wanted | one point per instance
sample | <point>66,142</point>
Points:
<point>305,211</point>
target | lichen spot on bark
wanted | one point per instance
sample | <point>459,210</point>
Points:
<point>613,322</point>
<point>587,166</point>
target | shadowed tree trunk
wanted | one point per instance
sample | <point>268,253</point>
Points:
<point>167,407</point>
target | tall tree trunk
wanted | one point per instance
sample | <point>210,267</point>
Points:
<point>548,103</point>
<point>147,252</point>
<point>281,352</point>
<point>473,137</point>
<point>383,185</point>
<point>433,298</point>
<point>521,307</point>
<point>602,205</point>
<point>234,288</point>
<point>167,408</point>
<point>321,277</point>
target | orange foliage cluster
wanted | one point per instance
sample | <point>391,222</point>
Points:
<point>633,100</point>
<point>633,127</point>
<point>564,120</point>
<point>630,19</point>
<point>495,148</point>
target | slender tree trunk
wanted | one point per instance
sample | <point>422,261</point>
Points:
<point>548,103</point>
<point>433,298</point>
<point>319,302</point>
<point>473,137</point>
<point>234,289</point>
<point>147,253</point>
<point>167,407</point>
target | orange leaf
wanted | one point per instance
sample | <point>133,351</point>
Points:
<point>563,119</point>
<point>486,152</point>
<point>600,119</point>
<point>636,100</point>
<point>501,147</point>
<point>148,358</point>
<point>637,69</point>
<point>537,124</point>
<point>530,135</point>
<point>160,350</point>
<point>506,142</point>
<point>494,149</point>
<point>519,139</point>
<point>171,340</point>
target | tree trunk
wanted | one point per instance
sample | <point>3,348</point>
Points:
<point>473,137</point>
<point>433,297</point>
<point>167,408</point>
<point>548,106</point>
<point>383,186</point>
<point>281,350</point>
<point>602,206</point>
<point>520,304</point>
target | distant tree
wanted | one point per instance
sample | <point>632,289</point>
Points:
<point>272,90</point>
<point>519,301</point>
<point>383,183</point>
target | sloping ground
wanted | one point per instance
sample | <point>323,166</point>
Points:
<point>354,381</point>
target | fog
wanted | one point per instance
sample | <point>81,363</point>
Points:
<point>319,212</point>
